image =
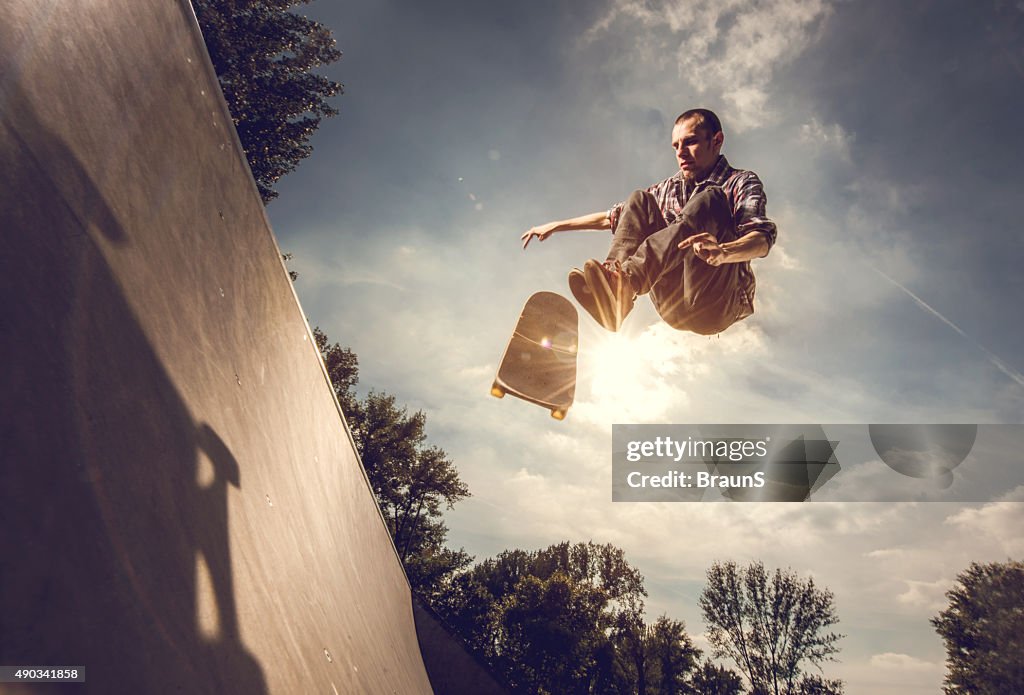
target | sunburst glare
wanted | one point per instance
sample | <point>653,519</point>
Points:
<point>632,377</point>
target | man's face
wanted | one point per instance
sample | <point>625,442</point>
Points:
<point>695,150</point>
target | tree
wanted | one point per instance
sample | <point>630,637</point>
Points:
<point>632,651</point>
<point>413,483</point>
<point>652,658</point>
<point>711,679</point>
<point>813,684</point>
<point>769,625</point>
<point>983,628</point>
<point>655,658</point>
<point>342,369</point>
<point>543,618</point>
<point>672,654</point>
<point>264,57</point>
<point>291,273</point>
<point>548,630</point>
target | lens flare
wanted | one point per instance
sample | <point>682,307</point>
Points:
<point>634,377</point>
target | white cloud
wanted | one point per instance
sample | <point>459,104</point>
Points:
<point>993,522</point>
<point>729,48</point>
<point>928,596</point>
<point>827,139</point>
<point>649,377</point>
<point>477,373</point>
<point>525,477</point>
<point>784,259</point>
<point>904,663</point>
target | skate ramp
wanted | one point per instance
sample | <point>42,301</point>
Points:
<point>182,510</point>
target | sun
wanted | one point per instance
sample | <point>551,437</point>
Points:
<point>616,365</point>
<point>624,378</point>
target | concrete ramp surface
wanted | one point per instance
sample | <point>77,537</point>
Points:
<point>181,507</point>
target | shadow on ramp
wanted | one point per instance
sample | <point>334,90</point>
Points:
<point>115,497</point>
<point>182,509</point>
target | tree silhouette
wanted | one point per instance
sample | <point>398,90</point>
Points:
<point>712,679</point>
<point>983,628</point>
<point>412,482</point>
<point>264,57</point>
<point>570,619</point>
<point>769,625</point>
<point>653,658</point>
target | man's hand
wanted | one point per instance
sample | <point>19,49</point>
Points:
<point>542,232</point>
<point>706,248</point>
<point>593,221</point>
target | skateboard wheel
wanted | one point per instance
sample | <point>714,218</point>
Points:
<point>558,413</point>
<point>497,391</point>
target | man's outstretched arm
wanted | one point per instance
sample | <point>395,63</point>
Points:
<point>748,247</point>
<point>595,221</point>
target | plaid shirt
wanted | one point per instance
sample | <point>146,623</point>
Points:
<point>744,192</point>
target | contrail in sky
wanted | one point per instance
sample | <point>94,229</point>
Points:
<point>999,364</point>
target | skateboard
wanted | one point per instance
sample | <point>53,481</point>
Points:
<point>539,364</point>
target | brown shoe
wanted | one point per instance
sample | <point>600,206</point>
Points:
<point>612,293</point>
<point>582,293</point>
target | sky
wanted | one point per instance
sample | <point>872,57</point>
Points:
<point>887,137</point>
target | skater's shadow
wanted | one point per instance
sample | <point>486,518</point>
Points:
<point>116,547</point>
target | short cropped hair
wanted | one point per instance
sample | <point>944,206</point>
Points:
<point>707,121</point>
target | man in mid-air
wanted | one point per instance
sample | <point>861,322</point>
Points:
<point>687,241</point>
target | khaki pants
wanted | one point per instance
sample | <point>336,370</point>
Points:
<point>688,293</point>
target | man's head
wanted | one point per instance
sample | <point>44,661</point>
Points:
<point>697,140</point>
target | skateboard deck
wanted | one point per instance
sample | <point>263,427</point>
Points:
<point>539,364</point>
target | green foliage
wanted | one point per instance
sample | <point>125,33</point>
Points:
<point>546,631</point>
<point>632,664</point>
<point>655,658</point>
<point>264,57</point>
<point>672,655</point>
<point>291,273</point>
<point>711,679</point>
<point>568,619</point>
<point>983,628</point>
<point>412,482</point>
<point>342,369</point>
<point>769,625</point>
<point>813,684</point>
